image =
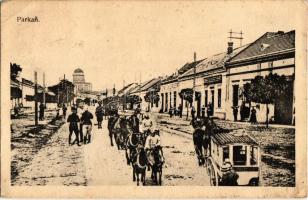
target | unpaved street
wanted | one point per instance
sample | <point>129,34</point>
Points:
<point>98,163</point>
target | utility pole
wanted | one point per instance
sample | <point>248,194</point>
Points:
<point>35,98</point>
<point>239,36</point>
<point>44,90</point>
<point>194,80</point>
<point>59,91</point>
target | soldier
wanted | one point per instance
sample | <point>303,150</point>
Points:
<point>99,114</point>
<point>64,109</point>
<point>42,110</point>
<point>203,111</point>
<point>87,125</point>
<point>73,119</point>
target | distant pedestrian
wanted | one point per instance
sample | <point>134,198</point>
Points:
<point>42,110</point>
<point>209,110</point>
<point>86,125</point>
<point>64,109</point>
<point>203,111</point>
<point>253,115</point>
<point>180,110</point>
<point>73,119</point>
<point>193,111</point>
<point>235,112</point>
<point>170,111</point>
<point>16,111</point>
<point>99,114</point>
<point>242,111</point>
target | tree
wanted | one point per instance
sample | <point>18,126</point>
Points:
<point>151,97</point>
<point>266,90</point>
<point>133,99</point>
<point>15,69</point>
<point>187,94</point>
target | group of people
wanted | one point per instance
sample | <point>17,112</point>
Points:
<point>245,112</point>
<point>80,126</point>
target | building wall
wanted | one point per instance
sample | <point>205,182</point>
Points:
<point>245,73</point>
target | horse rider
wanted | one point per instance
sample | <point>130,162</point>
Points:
<point>135,122</point>
<point>152,141</point>
<point>73,119</point>
<point>87,125</point>
<point>146,125</point>
<point>99,114</point>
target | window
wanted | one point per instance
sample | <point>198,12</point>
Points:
<point>239,155</point>
<point>254,155</point>
<point>225,153</point>
<point>219,98</point>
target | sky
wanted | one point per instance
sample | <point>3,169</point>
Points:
<point>116,41</point>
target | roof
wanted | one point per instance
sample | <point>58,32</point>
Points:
<point>214,62</point>
<point>268,44</point>
<point>150,84</point>
<point>127,88</point>
<point>233,138</point>
<point>78,70</point>
<point>182,70</point>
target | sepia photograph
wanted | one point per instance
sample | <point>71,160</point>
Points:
<point>129,94</point>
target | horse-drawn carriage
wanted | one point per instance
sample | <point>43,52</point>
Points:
<point>241,150</point>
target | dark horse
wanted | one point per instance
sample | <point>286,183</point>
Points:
<point>157,167</point>
<point>204,128</point>
<point>119,129</point>
<point>111,122</point>
<point>139,165</point>
<point>132,143</point>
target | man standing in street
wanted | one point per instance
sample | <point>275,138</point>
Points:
<point>193,111</point>
<point>73,119</point>
<point>99,114</point>
<point>42,110</point>
<point>235,111</point>
<point>203,111</point>
<point>180,110</point>
<point>86,125</point>
<point>64,109</point>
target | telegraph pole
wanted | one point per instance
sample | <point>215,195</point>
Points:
<point>35,98</point>
<point>44,90</point>
<point>194,81</point>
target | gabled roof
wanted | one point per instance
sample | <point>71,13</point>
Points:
<point>216,61</point>
<point>150,84</point>
<point>268,44</point>
<point>127,88</point>
<point>182,70</point>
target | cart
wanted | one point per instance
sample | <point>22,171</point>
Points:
<point>243,152</point>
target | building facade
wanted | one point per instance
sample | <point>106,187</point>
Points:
<point>79,81</point>
<point>274,52</point>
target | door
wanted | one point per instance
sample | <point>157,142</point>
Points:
<point>213,101</point>
<point>235,95</point>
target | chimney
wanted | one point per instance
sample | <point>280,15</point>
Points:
<point>230,47</point>
<point>195,56</point>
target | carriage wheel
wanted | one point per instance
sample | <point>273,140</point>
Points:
<point>213,176</point>
<point>208,167</point>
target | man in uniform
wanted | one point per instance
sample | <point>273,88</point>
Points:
<point>99,114</point>
<point>152,141</point>
<point>87,125</point>
<point>73,119</point>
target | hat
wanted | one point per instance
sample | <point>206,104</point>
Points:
<point>226,166</point>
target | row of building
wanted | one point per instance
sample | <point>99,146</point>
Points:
<point>218,80</point>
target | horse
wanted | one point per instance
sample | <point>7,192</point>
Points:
<point>202,137</point>
<point>131,146</point>
<point>139,163</point>
<point>121,131</point>
<point>111,123</point>
<point>157,167</point>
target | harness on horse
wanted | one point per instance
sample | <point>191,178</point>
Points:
<point>138,163</point>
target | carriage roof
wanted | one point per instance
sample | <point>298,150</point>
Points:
<point>233,138</point>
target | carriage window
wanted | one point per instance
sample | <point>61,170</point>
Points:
<point>225,152</point>
<point>239,155</point>
<point>254,156</point>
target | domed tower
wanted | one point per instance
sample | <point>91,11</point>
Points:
<point>78,76</point>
